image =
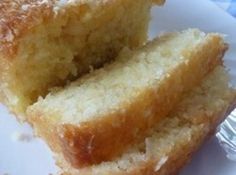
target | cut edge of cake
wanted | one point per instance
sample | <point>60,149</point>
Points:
<point>172,142</point>
<point>83,143</point>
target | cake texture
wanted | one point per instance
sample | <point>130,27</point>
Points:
<point>46,43</point>
<point>97,117</point>
<point>172,142</point>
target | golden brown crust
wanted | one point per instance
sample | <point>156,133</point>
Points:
<point>159,2</point>
<point>177,158</point>
<point>17,17</point>
<point>100,140</point>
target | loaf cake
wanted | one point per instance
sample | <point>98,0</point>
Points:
<point>97,117</point>
<point>44,43</point>
<point>172,142</point>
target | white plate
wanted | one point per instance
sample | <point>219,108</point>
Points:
<point>34,157</point>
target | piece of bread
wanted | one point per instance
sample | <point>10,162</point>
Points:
<point>97,117</point>
<point>172,142</point>
<point>44,43</point>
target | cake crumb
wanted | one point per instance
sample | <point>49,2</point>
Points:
<point>160,163</point>
<point>22,137</point>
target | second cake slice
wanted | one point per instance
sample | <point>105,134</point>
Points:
<point>99,116</point>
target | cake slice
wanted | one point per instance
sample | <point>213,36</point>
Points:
<point>97,117</point>
<point>44,43</point>
<point>172,142</point>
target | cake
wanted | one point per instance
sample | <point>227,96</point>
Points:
<point>97,117</point>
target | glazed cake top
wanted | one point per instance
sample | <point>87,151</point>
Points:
<point>18,16</point>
